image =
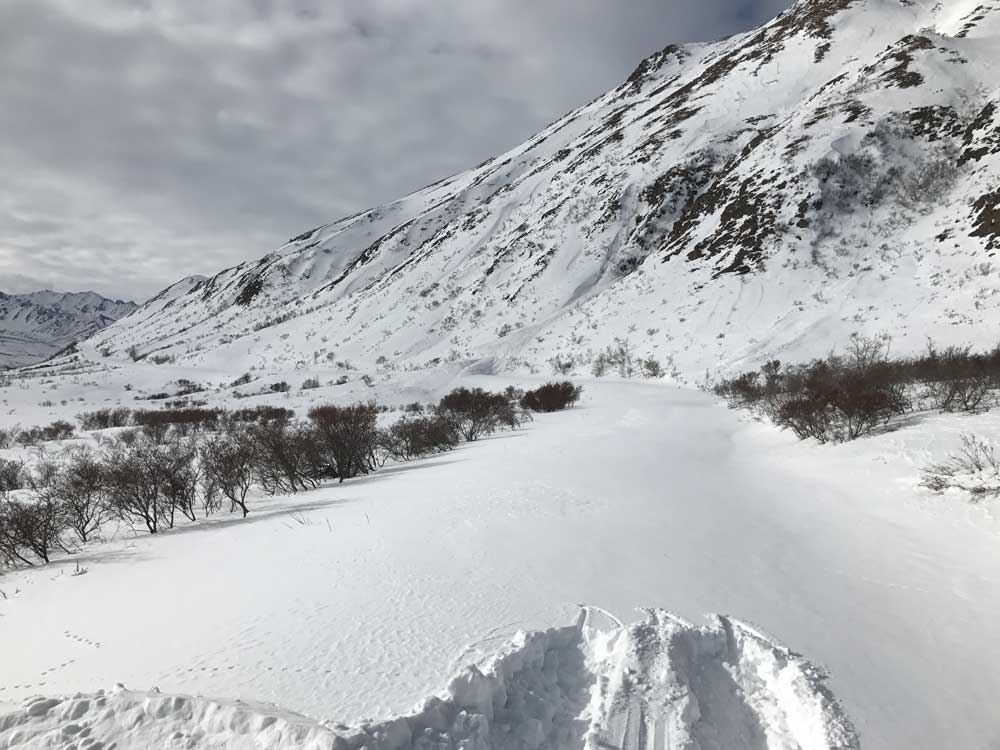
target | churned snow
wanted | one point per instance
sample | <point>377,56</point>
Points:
<point>360,600</point>
<point>661,683</point>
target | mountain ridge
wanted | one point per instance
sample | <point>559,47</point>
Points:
<point>765,195</point>
<point>37,325</point>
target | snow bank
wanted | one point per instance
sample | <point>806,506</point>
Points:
<point>661,683</point>
<point>667,684</point>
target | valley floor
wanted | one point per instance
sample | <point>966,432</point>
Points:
<point>359,600</point>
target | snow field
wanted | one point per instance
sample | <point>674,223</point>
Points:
<point>358,600</point>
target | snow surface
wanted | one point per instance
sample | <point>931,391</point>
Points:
<point>359,600</point>
<point>662,683</point>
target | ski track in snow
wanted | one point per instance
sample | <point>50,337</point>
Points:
<point>660,684</point>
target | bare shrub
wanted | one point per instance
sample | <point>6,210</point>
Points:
<point>244,379</point>
<point>134,482</point>
<point>650,367</point>
<point>349,438</point>
<point>476,412</point>
<point>197,417</point>
<point>552,397</point>
<point>82,489</point>
<point>36,525</point>
<point>104,419</point>
<point>228,463</point>
<point>262,413</point>
<point>415,436</point>
<point>11,476</point>
<point>975,468</point>
<point>180,477</point>
<point>287,457</point>
<point>562,366</point>
<point>831,400</point>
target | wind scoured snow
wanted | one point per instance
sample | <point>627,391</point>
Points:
<point>661,683</point>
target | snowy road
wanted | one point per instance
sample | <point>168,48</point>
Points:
<point>369,595</point>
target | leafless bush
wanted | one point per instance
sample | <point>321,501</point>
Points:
<point>477,413</point>
<point>228,462</point>
<point>617,356</point>
<point>349,438</point>
<point>415,436</point>
<point>180,478</point>
<point>244,379</point>
<point>11,476</point>
<point>552,397</point>
<point>262,413</point>
<point>134,480</point>
<point>651,368</point>
<point>104,419</point>
<point>287,457</point>
<point>837,398</point>
<point>562,366</point>
<point>81,487</point>
<point>189,416</point>
<point>975,468</point>
<point>31,527</point>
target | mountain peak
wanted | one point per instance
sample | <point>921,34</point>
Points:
<point>36,325</point>
<point>768,194</point>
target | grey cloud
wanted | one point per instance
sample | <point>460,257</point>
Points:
<point>141,142</point>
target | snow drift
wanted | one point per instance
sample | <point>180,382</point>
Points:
<point>661,683</point>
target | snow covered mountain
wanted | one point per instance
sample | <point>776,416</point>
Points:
<point>37,325</point>
<point>833,171</point>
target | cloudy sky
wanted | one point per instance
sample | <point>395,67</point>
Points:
<point>146,140</point>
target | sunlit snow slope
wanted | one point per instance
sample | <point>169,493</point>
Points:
<point>834,171</point>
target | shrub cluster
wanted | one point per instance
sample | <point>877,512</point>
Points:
<point>477,413</point>
<point>551,397</point>
<point>104,419</point>
<point>163,471</point>
<point>844,397</point>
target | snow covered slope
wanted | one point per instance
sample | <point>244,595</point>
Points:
<point>37,325</point>
<point>834,171</point>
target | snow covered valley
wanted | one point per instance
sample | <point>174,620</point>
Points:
<point>363,599</point>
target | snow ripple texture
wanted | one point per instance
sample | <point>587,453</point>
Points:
<point>656,685</point>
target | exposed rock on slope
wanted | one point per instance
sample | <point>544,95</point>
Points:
<point>766,195</point>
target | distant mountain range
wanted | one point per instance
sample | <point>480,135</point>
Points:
<point>35,326</point>
<point>836,170</point>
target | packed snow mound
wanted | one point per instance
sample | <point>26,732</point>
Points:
<point>661,683</point>
<point>667,684</point>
